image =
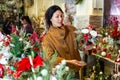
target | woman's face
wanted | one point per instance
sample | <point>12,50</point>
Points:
<point>57,19</point>
<point>23,21</point>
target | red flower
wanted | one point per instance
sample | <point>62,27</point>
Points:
<point>85,37</point>
<point>24,64</point>
<point>38,61</point>
<point>90,27</point>
<point>36,49</point>
<point>17,74</point>
<point>7,40</point>
<point>104,49</point>
<point>108,55</point>
<point>10,72</point>
<point>1,71</point>
<point>34,37</point>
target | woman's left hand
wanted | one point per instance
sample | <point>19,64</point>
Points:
<point>76,62</point>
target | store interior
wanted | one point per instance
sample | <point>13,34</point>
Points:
<point>103,62</point>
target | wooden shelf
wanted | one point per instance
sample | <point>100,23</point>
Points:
<point>112,61</point>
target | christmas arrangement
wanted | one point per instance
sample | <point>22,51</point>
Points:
<point>21,58</point>
<point>103,43</point>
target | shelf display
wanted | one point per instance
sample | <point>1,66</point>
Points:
<point>103,43</point>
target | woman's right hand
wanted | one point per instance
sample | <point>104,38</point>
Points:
<point>76,62</point>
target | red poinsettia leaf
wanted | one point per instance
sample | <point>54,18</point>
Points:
<point>24,64</point>
<point>38,61</point>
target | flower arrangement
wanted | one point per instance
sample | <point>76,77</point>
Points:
<point>115,33</point>
<point>103,42</point>
<point>87,36</point>
<point>21,58</point>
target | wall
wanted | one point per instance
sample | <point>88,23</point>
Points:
<point>40,6</point>
<point>83,11</point>
<point>87,9</point>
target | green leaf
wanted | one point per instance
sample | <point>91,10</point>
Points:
<point>79,1</point>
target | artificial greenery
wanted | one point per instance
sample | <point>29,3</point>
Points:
<point>17,46</point>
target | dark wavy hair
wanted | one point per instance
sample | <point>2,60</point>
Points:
<point>27,19</point>
<point>6,26</point>
<point>49,13</point>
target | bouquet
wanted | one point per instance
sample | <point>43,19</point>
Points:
<point>21,58</point>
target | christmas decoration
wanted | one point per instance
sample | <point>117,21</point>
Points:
<point>22,58</point>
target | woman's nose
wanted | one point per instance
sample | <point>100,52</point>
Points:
<point>60,18</point>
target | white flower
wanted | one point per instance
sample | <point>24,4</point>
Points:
<point>103,53</point>
<point>63,62</point>
<point>93,33</point>
<point>44,72</point>
<point>23,55</point>
<point>101,72</point>
<point>106,34</point>
<point>28,45</point>
<point>85,31</point>
<point>58,67</point>
<point>94,47</point>
<point>99,35</point>
<point>1,36</point>
<point>5,51</point>
<point>20,39</point>
<point>115,76</point>
<point>1,43</point>
<point>39,78</point>
<point>4,60</point>
<point>12,45</point>
<point>5,78</point>
<point>66,68</point>
<point>52,77</point>
<point>119,51</point>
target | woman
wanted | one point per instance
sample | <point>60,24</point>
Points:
<point>6,27</point>
<point>61,38</point>
<point>27,25</point>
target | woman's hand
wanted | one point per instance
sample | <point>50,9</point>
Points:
<point>76,62</point>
